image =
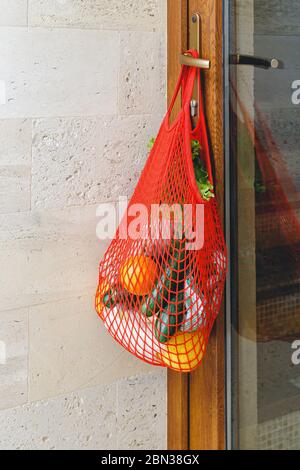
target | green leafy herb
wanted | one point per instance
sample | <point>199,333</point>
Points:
<point>201,175</point>
<point>195,146</point>
<point>151,143</point>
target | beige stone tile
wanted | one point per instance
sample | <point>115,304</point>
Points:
<point>163,14</point>
<point>13,13</point>
<point>14,357</point>
<point>142,78</point>
<point>48,256</point>
<point>14,189</point>
<point>80,161</point>
<point>109,14</point>
<point>142,412</point>
<point>70,349</point>
<point>82,420</point>
<point>15,142</point>
<point>60,72</point>
<point>15,165</point>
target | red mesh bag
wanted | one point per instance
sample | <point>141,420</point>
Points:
<point>162,277</point>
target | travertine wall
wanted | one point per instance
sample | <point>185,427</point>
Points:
<point>82,88</point>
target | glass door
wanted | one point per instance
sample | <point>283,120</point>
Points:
<point>264,159</point>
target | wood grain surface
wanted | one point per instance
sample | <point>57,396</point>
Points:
<point>196,402</point>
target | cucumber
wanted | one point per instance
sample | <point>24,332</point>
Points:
<point>174,277</point>
<point>169,320</point>
<point>169,283</point>
<point>108,299</point>
<point>149,307</point>
<point>114,296</point>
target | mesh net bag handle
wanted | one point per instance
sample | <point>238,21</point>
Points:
<point>162,278</point>
<point>186,82</point>
<point>200,131</point>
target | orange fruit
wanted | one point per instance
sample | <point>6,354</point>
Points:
<point>138,275</point>
<point>184,351</point>
<point>102,289</point>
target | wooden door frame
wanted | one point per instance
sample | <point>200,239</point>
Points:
<point>196,402</point>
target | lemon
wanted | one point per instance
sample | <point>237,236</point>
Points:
<point>184,351</point>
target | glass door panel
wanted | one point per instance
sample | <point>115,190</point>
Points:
<point>265,185</point>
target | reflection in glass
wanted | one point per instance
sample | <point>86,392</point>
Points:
<point>265,153</point>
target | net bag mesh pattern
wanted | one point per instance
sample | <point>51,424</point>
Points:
<point>157,297</point>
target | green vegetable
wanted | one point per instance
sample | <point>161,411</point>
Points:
<point>168,322</point>
<point>117,296</point>
<point>151,143</point>
<point>170,282</point>
<point>195,147</point>
<point>109,298</point>
<point>156,296</point>
<point>170,302</point>
<point>174,274</point>
<point>201,175</point>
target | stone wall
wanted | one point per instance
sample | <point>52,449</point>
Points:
<point>82,89</point>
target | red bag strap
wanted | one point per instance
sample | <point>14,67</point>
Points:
<point>200,131</point>
<point>185,83</point>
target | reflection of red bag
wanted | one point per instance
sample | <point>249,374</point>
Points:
<point>157,297</point>
<point>281,197</point>
<point>277,243</point>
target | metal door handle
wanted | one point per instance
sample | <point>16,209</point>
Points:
<point>185,59</point>
<point>241,59</point>
<point>195,43</point>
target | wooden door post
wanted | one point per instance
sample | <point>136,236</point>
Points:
<point>196,402</point>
